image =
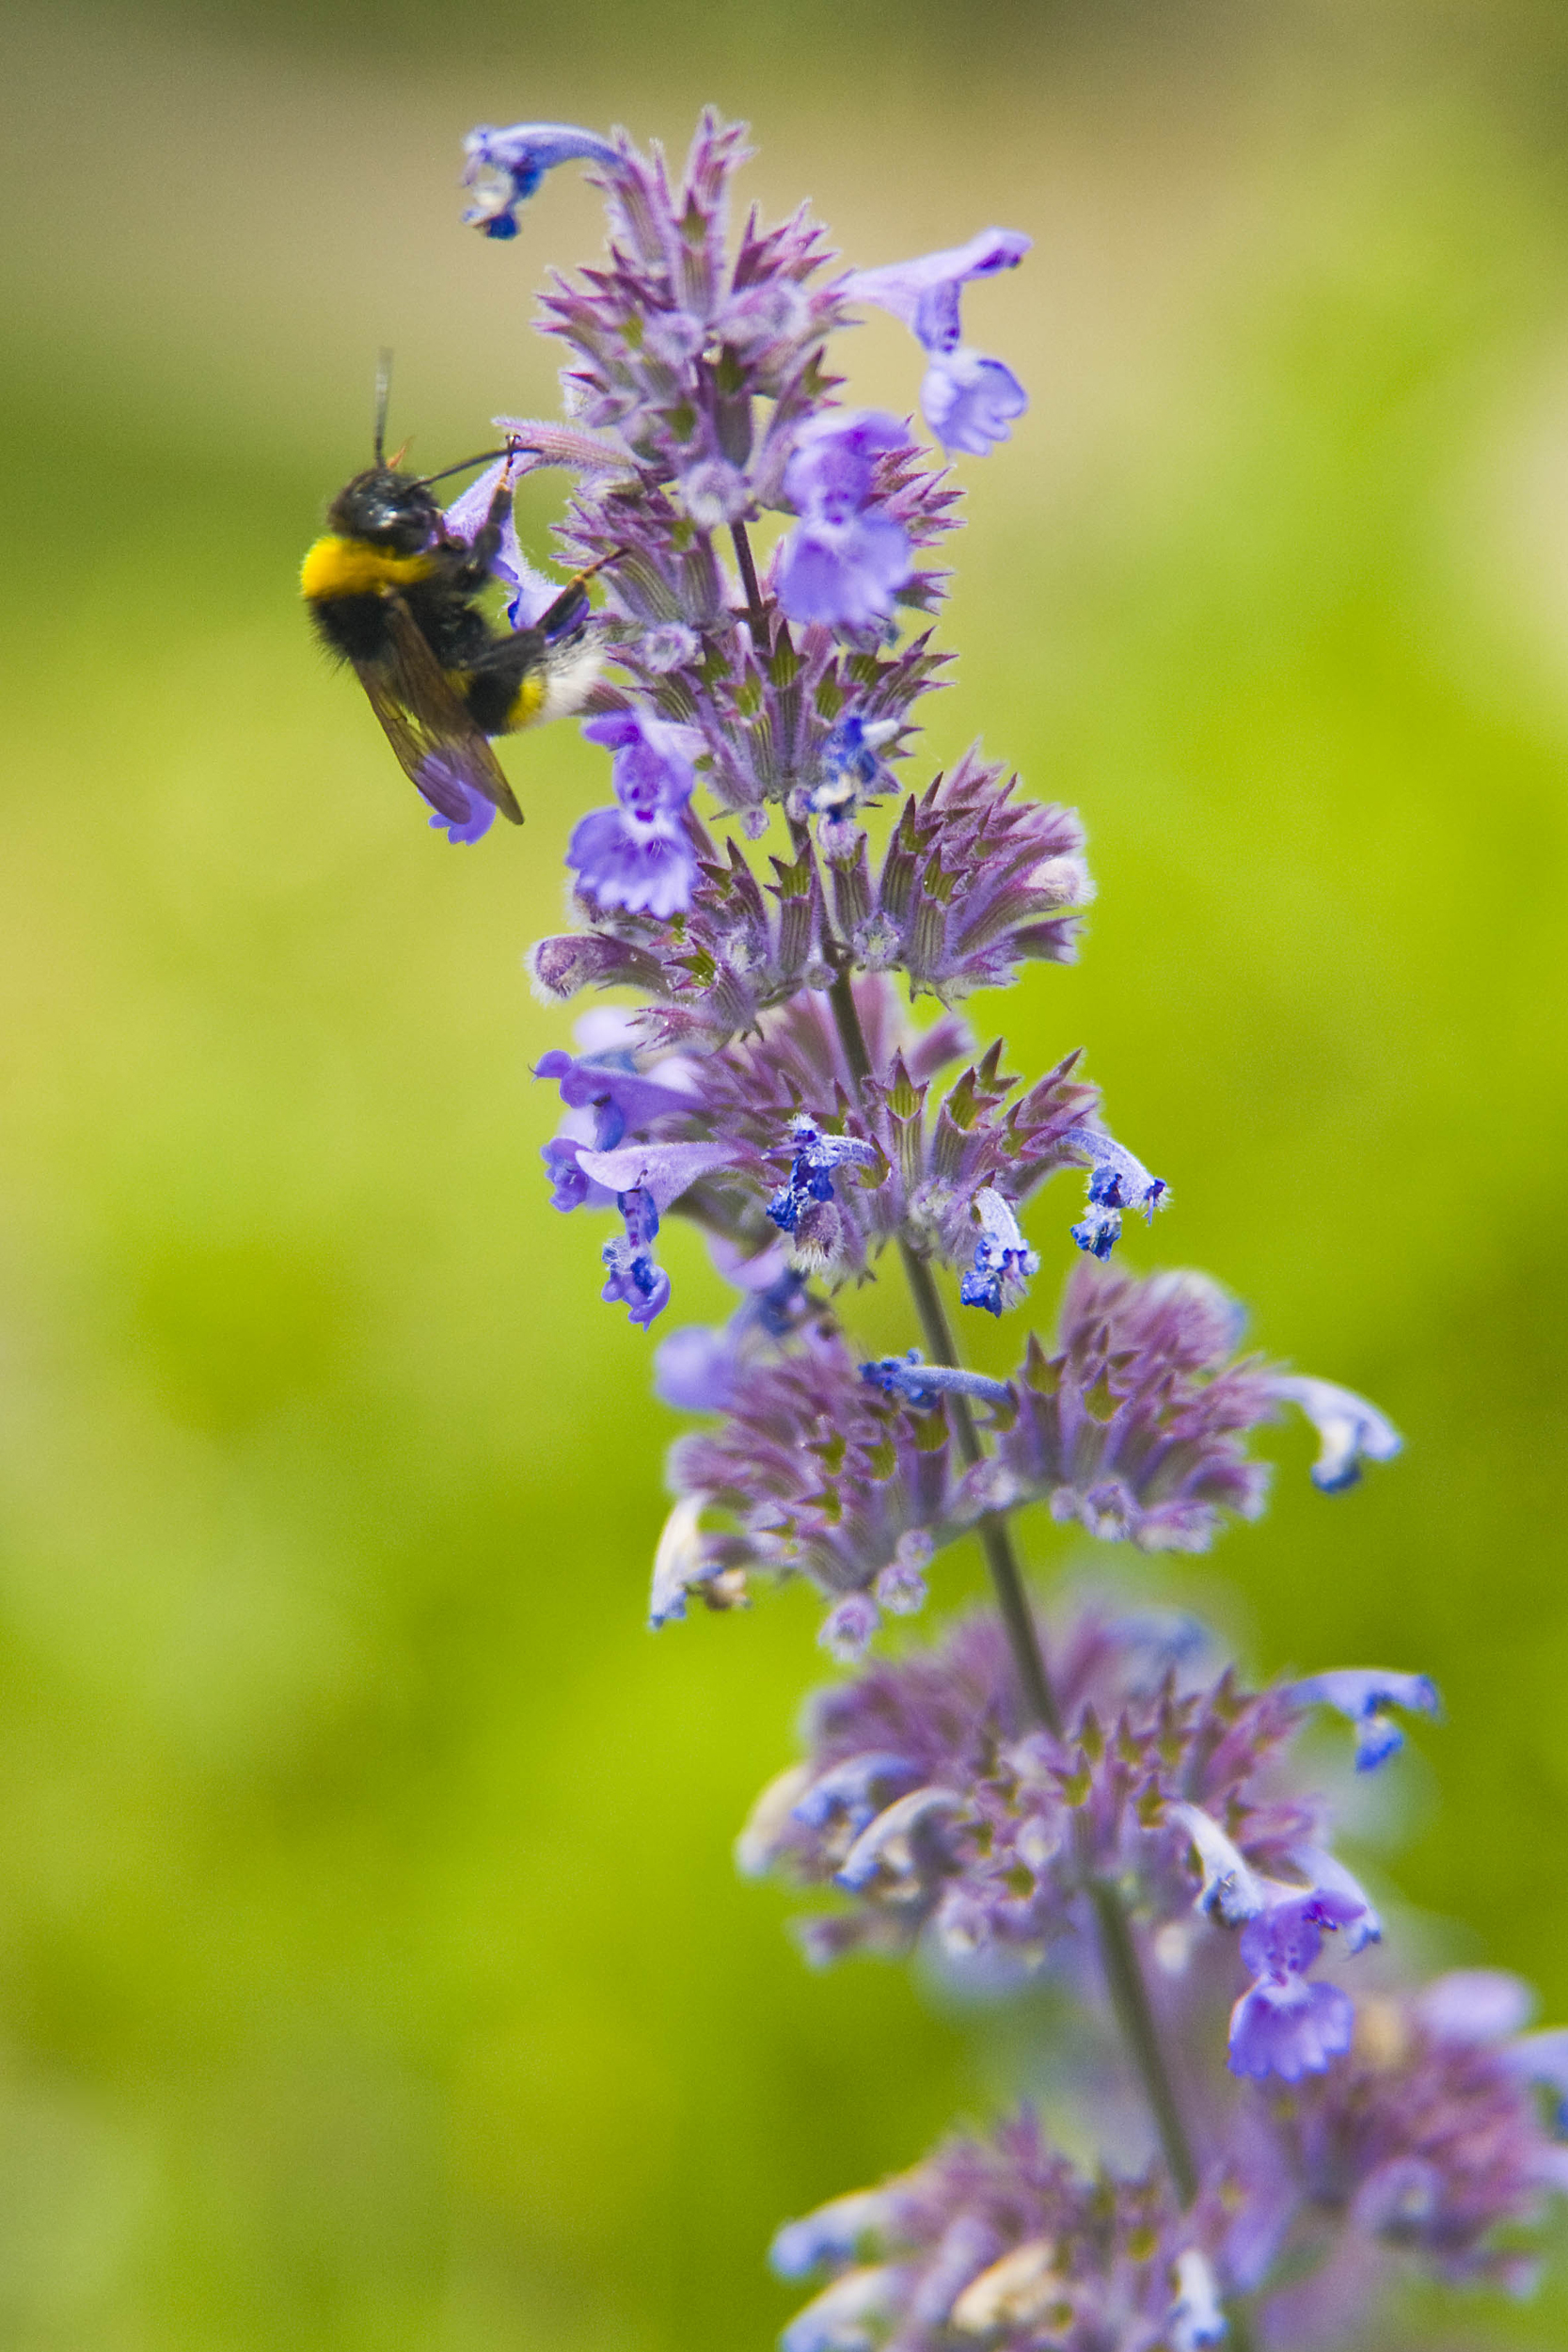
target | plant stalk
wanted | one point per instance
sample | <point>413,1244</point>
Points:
<point>756,617</point>
<point>1118,1954</point>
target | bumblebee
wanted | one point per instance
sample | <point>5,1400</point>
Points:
<point>392,590</point>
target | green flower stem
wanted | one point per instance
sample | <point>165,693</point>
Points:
<point>1119,1955</point>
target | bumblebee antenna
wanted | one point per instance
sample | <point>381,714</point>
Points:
<point>484,457</point>
<point>383,393</point>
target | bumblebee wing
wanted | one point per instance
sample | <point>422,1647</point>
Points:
<point>434,738</point>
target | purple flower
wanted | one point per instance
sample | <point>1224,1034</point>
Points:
<point>1288,2028</point>
<point>1116,1181</point>
<point>847,557</point>
<point>651,768</point>
<point>1285,2026</point>
<point>610,1083</point>
<point>969,400</point>
<point>637,855</point>
<point>1348,1427</point>
<point>795,1207</point>
<point>1365,1696</point>
<point>503,168</point>
<point>633,1279</point>
<point>921,1384</point>
<point>842,574</point>
<point>852,769</point>
<point>1004,1262</point>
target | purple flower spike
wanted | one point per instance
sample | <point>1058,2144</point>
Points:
<point>969,400</point>
<point>1351,1430</point>
<point>503,168</point>
<point>1365,1696</point>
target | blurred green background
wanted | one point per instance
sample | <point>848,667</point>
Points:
<point>373,1972</point>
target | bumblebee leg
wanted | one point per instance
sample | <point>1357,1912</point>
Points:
<point>487,543</point>
<point>572,608</point>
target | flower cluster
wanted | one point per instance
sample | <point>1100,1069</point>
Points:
<point>933,1803</point>
<point>1002,2242</point>
<point>774,881</point>
<point>1425,2146</point>
<point>829,1466</point>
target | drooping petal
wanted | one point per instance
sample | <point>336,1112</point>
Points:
<point>1348,1427</point>
<point>663,1170</point>
<point>502,168</point>
<point>924,292</point>
<point>1365,1696</point>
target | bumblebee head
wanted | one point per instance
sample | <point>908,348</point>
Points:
<point>394,511</point>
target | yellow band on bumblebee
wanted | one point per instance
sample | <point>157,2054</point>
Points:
<point>353,567</point>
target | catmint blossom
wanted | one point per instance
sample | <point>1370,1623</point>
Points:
<point>848,555</point>
<point>1286,2025</point>
<point>633,1280</point>
<point>1004,1262</point>
<point>1367,1697</point>
<point>969,401</point>
<point>1349,1429</point>
<point>637,854</point>
<point>1118,1181</point>
<point>503,168</point>
<point>1084,1795</point>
